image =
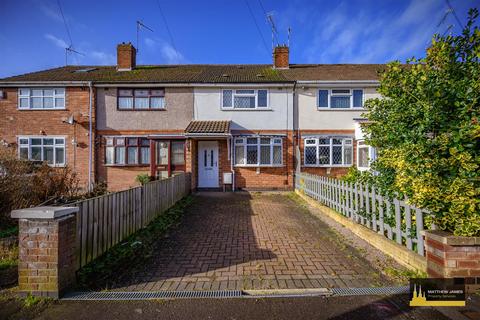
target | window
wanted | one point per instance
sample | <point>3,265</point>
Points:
<point>141,99</point>
<point>127,151</point>
<point>365,155</point>
<point>328,151</point>
<point>41,98</point>
<point>258,151</point>
<point>49,149</point>
<point>178,152</point>
<point>340,98</point>
<point>245,99</point>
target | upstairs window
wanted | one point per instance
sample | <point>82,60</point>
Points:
<point>127,151</point>
<point>141,99</point>
<point>328,151</point>
<point>258,151</point>
<point>245,99</point>
<point>340,98</point>
<point>48,149</point>
<point>41,98</point>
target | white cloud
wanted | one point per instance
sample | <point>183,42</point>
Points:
<point>51,12</point>
<point>367,34</point>
<point>101,57</point>
<point>168,53</point>
<point>56,41</point>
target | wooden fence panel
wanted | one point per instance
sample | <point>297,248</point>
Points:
<point>104,221</point>
<point>392,218</point>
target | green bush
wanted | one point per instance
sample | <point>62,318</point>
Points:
<point>142,178</point>
<point>427,130</point>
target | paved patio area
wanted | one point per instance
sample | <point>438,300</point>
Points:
<point>251,241</point>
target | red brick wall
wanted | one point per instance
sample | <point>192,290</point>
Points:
<point>335,172</point>
<point>46,256</point>
<point>14,122</point>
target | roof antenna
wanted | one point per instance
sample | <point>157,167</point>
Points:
<point>140,25</point>
<point>289,32</point>
<point>273,27</point>
<point>70,50</point>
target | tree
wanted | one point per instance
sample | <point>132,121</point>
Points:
<point>427,130</point>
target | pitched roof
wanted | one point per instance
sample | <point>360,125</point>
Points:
<point>208,127</point>
<point>245,73</point>
<point>158,73</point>
<point>333,72</point>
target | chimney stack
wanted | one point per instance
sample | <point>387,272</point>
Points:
<point>126,57</point>
<point>280,57</point>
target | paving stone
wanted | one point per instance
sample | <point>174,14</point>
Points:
<point>230,241</point>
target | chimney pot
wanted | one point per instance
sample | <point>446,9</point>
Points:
<point>281,57</point>
<point>126,57</point>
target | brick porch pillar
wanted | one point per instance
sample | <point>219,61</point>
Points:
<point>47,244</point>
<point>450,256</point>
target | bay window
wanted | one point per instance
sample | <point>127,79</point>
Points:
<point>41,98</point>
<point>340,98</point>
<point>328,151</point>
<point>245,99</point>
<point>45,148</point>
<point>127,151</point>
<point>141,99</point>
<point>258,151</point>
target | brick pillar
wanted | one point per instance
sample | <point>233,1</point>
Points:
<point>47,244</point>
<point>450,256</point>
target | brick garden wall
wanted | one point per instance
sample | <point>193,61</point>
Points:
<point>47,255</point>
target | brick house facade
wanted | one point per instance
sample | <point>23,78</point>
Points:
<point>140,116</point>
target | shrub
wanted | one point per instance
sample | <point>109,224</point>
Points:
<point>142,178</point>
<point>427,130</point>
<point>24,184</point>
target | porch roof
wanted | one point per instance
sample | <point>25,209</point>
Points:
<point>198,127</point>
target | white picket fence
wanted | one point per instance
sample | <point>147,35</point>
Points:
<point>363,204</point>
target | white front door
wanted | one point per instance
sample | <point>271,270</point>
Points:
<point>207,164</point>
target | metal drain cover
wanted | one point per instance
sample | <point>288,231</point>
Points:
<point>113,295</point>
<point>369,291</point>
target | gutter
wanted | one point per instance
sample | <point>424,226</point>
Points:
<point>44,83</point>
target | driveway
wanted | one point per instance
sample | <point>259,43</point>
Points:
<point>251,241</point>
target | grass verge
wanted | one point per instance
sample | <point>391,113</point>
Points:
<point>130,253</point>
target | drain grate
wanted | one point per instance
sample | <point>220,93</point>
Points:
<point>369,291</point>
<point>151,295</point>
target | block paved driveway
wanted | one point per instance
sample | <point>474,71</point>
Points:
<point>250,241</point>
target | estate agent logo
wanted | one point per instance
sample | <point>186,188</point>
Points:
<point>437,293</point>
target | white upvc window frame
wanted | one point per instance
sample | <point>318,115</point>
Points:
<point>332,94</point>
<point>241,141</point>
<point>347,142</point>
<point>56,145</point>
<point>26,94</point>
<point>235,93</point>
<point>371,155</point>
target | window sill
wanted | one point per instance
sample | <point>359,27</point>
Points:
<point>258,166</point>
<point>42,109</point>
<point>326,166</point>
<point>137,110</point>
<point>341,109</point>
<point>246,109</point>
<point>126,165</point>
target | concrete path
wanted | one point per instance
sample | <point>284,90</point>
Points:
<point>251,241</point>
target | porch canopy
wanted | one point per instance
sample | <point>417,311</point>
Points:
<point>208,129</point>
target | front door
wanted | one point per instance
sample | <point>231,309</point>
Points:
<point>207,164</point>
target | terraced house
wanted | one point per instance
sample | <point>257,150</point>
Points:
<point>232,126</point>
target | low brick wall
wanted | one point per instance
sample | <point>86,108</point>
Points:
<point>46,250</point>
<point>450,256</point>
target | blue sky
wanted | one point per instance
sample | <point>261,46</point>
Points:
<point>33,35</point>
